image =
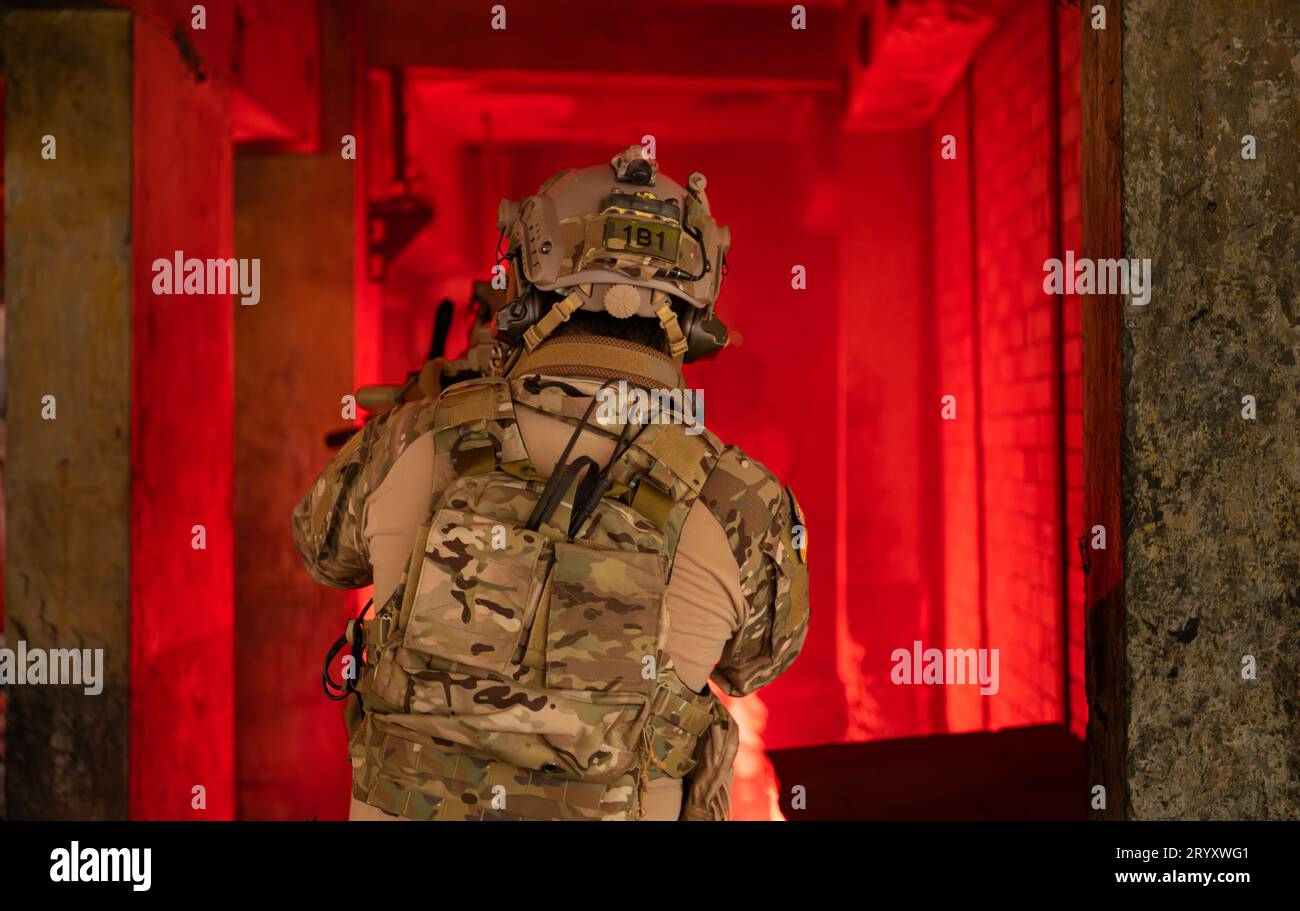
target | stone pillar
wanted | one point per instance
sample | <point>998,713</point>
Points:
<point>119,419</point>
<point>294,362</point>
<point>68,338</point>
<point>1211,478</point>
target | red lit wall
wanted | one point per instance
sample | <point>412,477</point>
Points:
<point>889,538</point>
<point>1007,491</point>
<point>182,609</point>
<point>1012,192</point>
<point>955,531</point>
<point>775,395</point>
<point>1070,70</point>
<point>956,363</point>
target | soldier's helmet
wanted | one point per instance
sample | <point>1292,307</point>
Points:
<point>620,238</point>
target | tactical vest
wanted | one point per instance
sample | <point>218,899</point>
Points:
<point>521,673</point>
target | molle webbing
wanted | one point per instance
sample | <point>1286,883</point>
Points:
<point>665,471</point>
<point>408,779</point>
<point>475,422</point>
<point>601,358</point>
<point>678,719</point>
<point>478,401</point>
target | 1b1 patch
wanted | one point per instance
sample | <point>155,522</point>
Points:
<point>799,528</point>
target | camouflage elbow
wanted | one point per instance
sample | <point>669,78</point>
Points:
<point>327,521</point>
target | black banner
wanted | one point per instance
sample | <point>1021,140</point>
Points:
<point>929,860</point>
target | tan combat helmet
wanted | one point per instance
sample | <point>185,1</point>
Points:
<point>620,238</point>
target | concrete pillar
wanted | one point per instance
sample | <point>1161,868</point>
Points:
<point>300,214</point>
<point>1210,503</point>
<point>103,499</point>
<point>68,334</point>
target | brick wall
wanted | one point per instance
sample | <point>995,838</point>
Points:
<point>999,353</point>
<point>1069,65</point>
<point>954,337</point>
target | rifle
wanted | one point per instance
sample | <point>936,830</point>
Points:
<point>437,372</point>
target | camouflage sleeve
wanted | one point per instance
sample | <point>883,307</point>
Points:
<point>765,528</point>
<point>329,522</point>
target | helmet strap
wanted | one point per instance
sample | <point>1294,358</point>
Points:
<point>676,340</point>
<point>559,313</point>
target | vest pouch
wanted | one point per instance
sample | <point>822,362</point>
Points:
<point>603,619</point>
<point>576,736</point>
<point>405,777</point>
<point>478,589</point>
<point>708,787</point>
<point>679,719</point>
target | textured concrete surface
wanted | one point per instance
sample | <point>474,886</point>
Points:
<point>68,481</point>
<point>1212,518</point>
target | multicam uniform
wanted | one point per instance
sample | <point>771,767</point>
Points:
<point>517,672</point>
<point>547,624</point>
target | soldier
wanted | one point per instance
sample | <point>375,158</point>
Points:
<point>556,591</point>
